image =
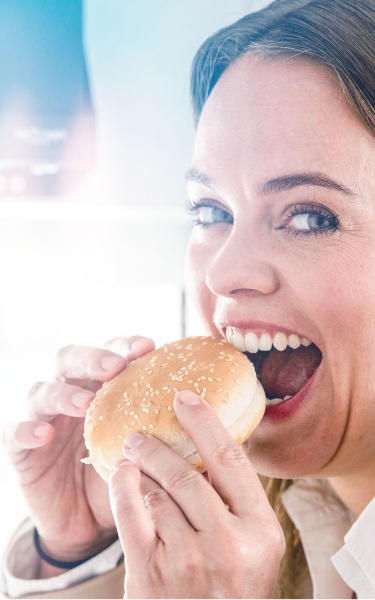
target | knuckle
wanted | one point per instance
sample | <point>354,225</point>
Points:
<point>184,477</point>
<point>272,544</point>
<point>190,566</point>
<point>277,540</point>
<point>229,455</point>
<point>155,498</point>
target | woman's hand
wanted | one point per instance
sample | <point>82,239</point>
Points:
<point>68,501</point>
<point>185,538</point>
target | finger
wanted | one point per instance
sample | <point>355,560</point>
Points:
<point>170,522</point>
<point>48,399</point>
<point>230,471</point>
<point>19,438</point>
<point>81,363</point>
<point>188,488</point>
<point>136,530</point>
<point>131,347</point>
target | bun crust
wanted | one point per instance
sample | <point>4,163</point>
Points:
<point>141,398</point>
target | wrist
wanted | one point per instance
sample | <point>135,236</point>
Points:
<point>69,557</point>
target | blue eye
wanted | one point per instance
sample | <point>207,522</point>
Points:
<point>310,219</point>
<point>205,215</point>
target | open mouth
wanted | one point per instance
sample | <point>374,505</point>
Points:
<point>284,372</point>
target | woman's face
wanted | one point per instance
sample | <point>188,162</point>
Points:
<point>282,184</point>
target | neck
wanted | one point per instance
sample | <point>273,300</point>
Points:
<point>355,490</point>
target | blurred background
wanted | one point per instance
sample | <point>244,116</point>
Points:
<point>96,133</point>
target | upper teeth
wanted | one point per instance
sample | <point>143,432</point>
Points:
<point>251,342</point>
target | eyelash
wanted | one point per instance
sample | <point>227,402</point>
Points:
<point>311,209</point>
<point>192,207</point>
<point>298,209</point>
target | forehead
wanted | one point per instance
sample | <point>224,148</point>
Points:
<point>274,114</point>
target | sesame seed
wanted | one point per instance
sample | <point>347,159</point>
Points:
<point>119,436</point>
<point>100,418</point>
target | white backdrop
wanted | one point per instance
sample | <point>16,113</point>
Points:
<point>108,260</point>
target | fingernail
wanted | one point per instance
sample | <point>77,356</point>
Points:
<point>110,363</point>
<point>41,430</point>
<point>187,397</point>
<point>132,440</point>
<point>79,399</point>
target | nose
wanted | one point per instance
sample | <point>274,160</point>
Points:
<point>243,265</point>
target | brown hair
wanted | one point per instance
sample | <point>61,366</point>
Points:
<point>340,35</point>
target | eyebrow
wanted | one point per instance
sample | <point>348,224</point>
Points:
<point>199,177</point>
<point>279,184</point>
<point>288,182</point>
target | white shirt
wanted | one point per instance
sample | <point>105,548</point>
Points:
<point>340,551</point>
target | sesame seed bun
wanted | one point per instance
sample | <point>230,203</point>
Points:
<point>141,398</point>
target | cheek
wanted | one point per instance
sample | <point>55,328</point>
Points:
<point>196,265</point>
<point>337,294</point>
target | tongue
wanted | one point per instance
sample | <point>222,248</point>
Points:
<point>285,373</point>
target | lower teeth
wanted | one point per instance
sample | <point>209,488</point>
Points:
<point>275,401</point>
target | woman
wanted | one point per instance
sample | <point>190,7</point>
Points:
<point>282,251</point>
